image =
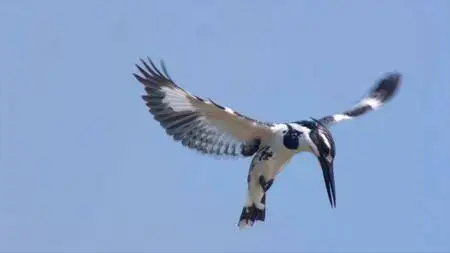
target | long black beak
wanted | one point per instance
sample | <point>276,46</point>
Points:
<point>328,177</point>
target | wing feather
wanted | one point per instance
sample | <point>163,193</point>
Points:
<point>198,123</point>
<point>384,90</point>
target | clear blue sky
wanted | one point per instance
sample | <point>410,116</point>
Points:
<point>84,167</point>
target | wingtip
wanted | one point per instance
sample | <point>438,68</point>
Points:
<point>388,85</point>
<point>394,77</point>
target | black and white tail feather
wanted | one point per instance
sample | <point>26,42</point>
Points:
<point>203,125</point>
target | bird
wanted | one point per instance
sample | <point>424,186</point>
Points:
<point>214,130</point>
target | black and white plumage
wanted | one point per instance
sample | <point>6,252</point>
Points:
<point>378,96</point>
<point>205,126</point>
<point>199,123</point>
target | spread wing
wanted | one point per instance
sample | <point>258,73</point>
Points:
<point>383,91</point>
<point>198,123</point>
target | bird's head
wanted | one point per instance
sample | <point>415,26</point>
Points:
<point>323,147</point>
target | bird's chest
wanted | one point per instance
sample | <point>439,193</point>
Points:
<point>270,160</point>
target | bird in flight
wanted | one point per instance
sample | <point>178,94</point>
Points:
<point>203,125</point>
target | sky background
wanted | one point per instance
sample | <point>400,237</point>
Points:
<point>84,167</point>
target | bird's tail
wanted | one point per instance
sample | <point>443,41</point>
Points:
<point>252,212</point>
<point>255,206</point>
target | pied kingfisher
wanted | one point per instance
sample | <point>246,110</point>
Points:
<point>212,129</point>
